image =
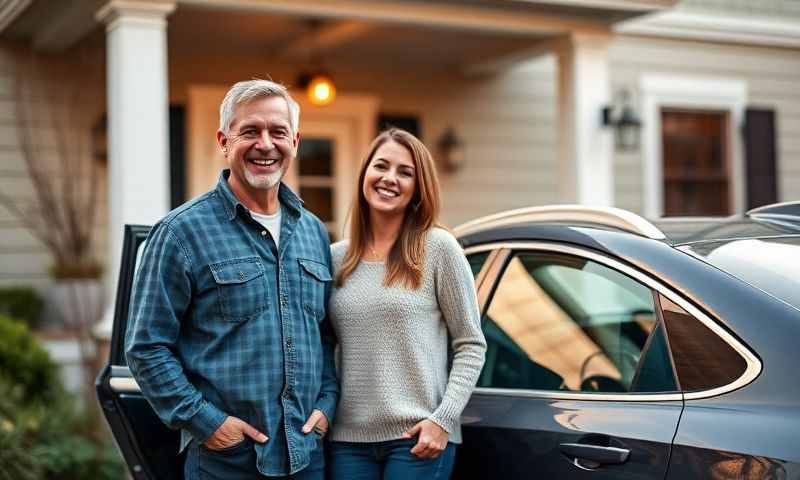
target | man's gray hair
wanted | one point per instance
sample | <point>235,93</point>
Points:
<point>243,92</point>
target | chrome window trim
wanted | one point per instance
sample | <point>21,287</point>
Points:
<point>753,363</point>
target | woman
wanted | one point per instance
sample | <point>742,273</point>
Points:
<point>402,285</point>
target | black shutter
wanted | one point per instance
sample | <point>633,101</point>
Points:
<point>760,155</point>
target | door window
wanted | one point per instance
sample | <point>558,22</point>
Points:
<point>316,178</point>
<point>560,322</point>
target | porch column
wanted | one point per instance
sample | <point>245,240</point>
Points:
<point>138,129</point>
<point>585,159</point>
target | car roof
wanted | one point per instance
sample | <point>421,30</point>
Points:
<point>557,221</point>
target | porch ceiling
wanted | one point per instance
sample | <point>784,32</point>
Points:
<point>294,39</point>
<point>446,33</point>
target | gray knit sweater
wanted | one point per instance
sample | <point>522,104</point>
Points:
<point>393,345</point>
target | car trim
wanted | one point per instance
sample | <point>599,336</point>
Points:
<point>605,216</point>
<point>124,384</point>
<point>753,363</point>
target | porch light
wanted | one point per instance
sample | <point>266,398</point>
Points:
<point>623,119</point>
<point>319,87</point>
<point>451,150</point>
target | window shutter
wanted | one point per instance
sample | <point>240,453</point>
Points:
<point>760,155</point>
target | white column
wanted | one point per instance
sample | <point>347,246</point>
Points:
<point>138,129</point>
<point>585,160</point>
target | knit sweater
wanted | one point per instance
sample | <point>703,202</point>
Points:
<point>392,360</point>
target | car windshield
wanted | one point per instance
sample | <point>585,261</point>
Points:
<point>767,263</point>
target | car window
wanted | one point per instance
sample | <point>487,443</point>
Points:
<point>476,261</point>
<point>560,322</point>
<point>702,359</point>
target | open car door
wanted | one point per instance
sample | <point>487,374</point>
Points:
<point>150,448</point>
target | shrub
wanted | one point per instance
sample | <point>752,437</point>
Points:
<point>22,303</point>
<point>25,364</point>
<point>41,435</point>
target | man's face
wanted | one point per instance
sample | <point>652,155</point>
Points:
<point>260,145</point>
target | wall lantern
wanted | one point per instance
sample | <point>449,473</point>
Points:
<point>626,123</point>
<point>319,88</point>
<point>451,150</point>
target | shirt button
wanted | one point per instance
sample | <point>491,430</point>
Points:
<point>263,233</point>
<point>289,343</point>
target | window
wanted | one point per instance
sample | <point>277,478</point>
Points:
<point>559,322</point>
<point>476,261</point>
<point>702,359</point>
<point>697,179</point>
<point>316,178</point>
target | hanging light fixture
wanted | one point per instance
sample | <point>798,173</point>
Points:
<point>319,88</point>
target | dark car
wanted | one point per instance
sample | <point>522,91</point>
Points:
<point>617,348</point>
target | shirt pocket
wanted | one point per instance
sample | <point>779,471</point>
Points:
<point>313,282</point>
<point>241,288</point>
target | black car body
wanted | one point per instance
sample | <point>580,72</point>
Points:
<point>617,348</point>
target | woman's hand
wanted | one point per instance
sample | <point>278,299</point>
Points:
<point>432,439</point>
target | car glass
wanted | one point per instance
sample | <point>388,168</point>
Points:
<point>767,263</point>
<point>559,322</point>
<point>476,261</point>
<point>702,359</point>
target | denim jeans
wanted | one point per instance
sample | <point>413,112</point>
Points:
<point>239,463</point>
<point>391,460</point>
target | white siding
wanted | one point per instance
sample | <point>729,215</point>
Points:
<point>771,76</point>
<point>757,7</point>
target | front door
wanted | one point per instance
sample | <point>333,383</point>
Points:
<point>325,170</point>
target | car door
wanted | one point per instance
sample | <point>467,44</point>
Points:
<point>578,380</point>
<point>150,449</point>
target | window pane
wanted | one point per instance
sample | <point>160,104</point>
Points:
<point>319,200</point>
<point>315,157</point>
<point>476,261</point>
<point>702,359</point>
<point>564,323</point>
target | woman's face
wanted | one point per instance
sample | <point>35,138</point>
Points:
<point>390,179</point>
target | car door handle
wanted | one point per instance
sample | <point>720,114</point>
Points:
<point>592,456</point>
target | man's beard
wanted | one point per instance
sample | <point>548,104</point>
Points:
<point>264,182</point>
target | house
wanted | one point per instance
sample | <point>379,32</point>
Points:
<point>521,84</point>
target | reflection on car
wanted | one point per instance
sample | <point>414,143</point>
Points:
<point>617,348</point>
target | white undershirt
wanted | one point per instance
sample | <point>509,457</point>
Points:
<point>270,222</point>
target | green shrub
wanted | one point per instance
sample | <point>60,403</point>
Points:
<point>41,434</point>
<point>22,303</point>
<point>25,364</point>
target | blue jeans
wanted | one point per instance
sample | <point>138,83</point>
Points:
<point>239,463</point>
<point>391,460</point>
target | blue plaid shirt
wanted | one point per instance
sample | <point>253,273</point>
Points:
<point>224,323</point>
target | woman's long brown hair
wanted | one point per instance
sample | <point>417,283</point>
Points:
<point>405,259</point>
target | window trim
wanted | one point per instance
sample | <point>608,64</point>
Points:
<point>490,281</point>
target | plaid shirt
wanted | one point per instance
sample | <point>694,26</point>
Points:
<point>223,323</point>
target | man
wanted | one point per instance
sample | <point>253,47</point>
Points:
<point>229,339</point>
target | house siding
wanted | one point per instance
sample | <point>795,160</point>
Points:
<point>758,7</point>
<point>771,76</point>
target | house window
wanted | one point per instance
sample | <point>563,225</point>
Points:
<point>697,171</point>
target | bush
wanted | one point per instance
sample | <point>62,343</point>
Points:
<point>24,364</point>
<point>22,303</point>
<point>41,434</point>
